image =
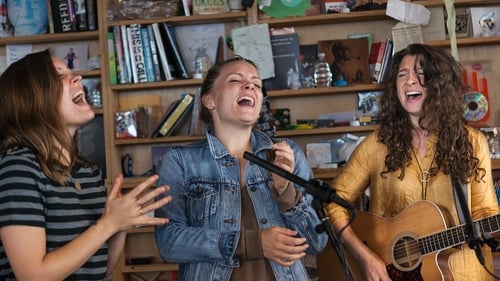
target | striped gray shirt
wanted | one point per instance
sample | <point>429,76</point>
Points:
<point>28,197</point>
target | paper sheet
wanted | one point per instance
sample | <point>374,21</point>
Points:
<point>408,12</point>
<point>404,34</point>
<point>16,52</point>
<point>253,42</point>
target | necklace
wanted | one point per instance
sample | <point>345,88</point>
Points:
<point>424,175</point>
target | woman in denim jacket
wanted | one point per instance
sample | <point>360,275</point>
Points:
<point>231,219</point>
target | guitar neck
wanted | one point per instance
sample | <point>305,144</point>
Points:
<point>456,235</point>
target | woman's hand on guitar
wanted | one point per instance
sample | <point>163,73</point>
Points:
<point>373,267</point>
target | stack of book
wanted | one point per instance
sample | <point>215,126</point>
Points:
<point>72,15</point>
<point>144,53</point>
<point>380,58</point>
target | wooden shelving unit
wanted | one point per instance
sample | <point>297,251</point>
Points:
<point>323,100</point>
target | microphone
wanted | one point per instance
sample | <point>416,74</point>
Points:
<point>316,188</point>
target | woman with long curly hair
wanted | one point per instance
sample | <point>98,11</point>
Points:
<point>422,145</point>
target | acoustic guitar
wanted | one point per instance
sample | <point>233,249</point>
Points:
<point>410,243</point>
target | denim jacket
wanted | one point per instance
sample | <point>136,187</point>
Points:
<point>205,213</point>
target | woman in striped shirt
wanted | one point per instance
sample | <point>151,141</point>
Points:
<point>57,221</point>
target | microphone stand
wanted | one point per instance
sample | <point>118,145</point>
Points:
<point>472,234</point>
<point>322,194</point>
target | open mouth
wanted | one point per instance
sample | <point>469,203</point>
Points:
<point>79,98</point>
<point>246,100</point>
<point>413,95</point>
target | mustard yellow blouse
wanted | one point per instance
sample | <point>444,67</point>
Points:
<point>390,195</point>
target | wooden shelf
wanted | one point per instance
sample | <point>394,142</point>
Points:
<point>89,73</point>
<point>190,20</point>
<point>172,139</point>
<point>157,85</point>
<point>51,38</point>
<point>326,18</point>
<point>364,16</point>
<point>467,42</point>
<point>351,89</point>
<point>284,133</point>
<point>326,131</point>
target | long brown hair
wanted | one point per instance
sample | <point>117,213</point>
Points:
<point>30,96</point>
<point>442,113</point>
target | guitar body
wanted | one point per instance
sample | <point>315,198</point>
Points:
<point>394,240</point>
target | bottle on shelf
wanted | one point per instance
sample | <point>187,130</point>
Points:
<point>322,73</point>
<point>201,64</point>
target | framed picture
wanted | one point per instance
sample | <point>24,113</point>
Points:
<point>75,55</point>
<point>348,59</point>
<point>463,26</point>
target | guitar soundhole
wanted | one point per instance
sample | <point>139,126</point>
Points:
<point>406,254</point>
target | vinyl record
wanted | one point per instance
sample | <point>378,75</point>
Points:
<point>476,106</point>
<point>287,8</point>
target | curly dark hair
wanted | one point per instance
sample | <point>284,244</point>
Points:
<point>442,113</point>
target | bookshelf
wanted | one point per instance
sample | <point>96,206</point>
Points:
<point>324,100</point>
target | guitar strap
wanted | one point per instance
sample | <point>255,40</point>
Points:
<point>456,184</point>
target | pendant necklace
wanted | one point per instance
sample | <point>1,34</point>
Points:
<point>424,175</point>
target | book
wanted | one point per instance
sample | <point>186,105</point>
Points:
<point>186,7</point>
<point>389,47</point>
<point>173,51</point>
<point>113,78</point>
<point>80,8</point>
<point>50,17</point>
<point>148,56</point>
<point>92,14</point>
<point>286,57</point>
<point>376,58</point>
<point>121,67</point>
<point>196,125</point>
<point>173,116</point>
<point>72,16</point>
<point>126,55</point>
<point>348,59</point>
<point>161,52</point>
<point>154,53</point>
<point>61,12</point>
<point>136,53</point>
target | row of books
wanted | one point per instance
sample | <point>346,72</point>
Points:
<point>380,57</point>
<point>72,15</point>
<point>141,53</point>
